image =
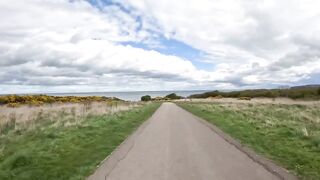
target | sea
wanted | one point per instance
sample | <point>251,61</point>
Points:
<point>130,95</point>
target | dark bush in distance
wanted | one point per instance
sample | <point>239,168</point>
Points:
<point>146,98</point>
<point>173,96</point>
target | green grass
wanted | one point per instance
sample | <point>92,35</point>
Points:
<point>287,134</point>
<point>67,152</point>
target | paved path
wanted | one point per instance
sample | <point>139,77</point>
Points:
<point>174,145</point>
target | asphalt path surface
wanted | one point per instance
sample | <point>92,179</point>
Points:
<point>174,145</point>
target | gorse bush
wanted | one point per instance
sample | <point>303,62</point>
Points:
<point>36,100</point>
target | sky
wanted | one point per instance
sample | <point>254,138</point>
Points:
<point>142,45</point>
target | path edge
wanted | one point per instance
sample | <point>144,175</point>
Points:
<point>106,166</point>
<point>270,166</point>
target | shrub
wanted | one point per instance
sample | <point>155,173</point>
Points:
<point>173,96</point>
<point>37,100</point>
<point>218,97</point>
<point>13,105</point>
<point>245,98</point>
<point>36,103</point>
<point>146,98</point>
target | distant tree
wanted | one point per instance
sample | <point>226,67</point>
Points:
<point>318,91</point>
<point>173,96</point>
<point>146,98</point>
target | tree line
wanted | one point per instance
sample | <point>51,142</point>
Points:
<point>305,92</point>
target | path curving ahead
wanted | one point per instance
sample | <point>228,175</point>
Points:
<point>175,145</point>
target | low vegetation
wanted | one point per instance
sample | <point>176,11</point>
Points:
<point>68,150</point>
<point>17,100</point>
<point>25,117</point>
<point>287,134</point>
<point>305,92</point>
<point>172,96</point>
<point>146,98</point>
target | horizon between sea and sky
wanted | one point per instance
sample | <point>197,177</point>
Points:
<point>76,46</point>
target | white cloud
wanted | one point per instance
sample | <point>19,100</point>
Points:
<point>73,45</point>
<point>64,43</point>
<point>236,34</point>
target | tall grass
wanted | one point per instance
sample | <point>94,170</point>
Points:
<point>61,151</point>
<point>28,117</point>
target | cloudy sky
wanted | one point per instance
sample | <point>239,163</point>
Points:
<point>124,45</point>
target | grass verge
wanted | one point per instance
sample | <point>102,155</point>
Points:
<point>67,152</point>
<point>287,134</point>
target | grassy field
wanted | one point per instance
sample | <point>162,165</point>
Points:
<point>287,134</point>
<point>59,151</point>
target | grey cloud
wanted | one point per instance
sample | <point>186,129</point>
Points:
<point>301,57</point>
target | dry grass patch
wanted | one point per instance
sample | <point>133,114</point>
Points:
<point>28,117</point>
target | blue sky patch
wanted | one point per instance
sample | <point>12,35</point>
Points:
<point>166,46</point>
<point>175,48</point>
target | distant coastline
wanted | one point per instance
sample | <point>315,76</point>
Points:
<point>124,95</point>
<point>136,95</point>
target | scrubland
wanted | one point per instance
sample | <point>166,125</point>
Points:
<point>64,140</point>
<point>28,116</point>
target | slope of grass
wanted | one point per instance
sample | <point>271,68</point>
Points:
<point>287,134</point>
<point>67,152</point>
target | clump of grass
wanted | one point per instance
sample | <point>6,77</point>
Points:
<point>19,160</point>
<point>8,125</point>
<point>13,105</point>
<point>245,98</point>
<point>287,134</point>
<point>67,152</point>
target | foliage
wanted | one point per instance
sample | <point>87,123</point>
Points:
<point>173,96</point>
<point>37,100</point>
<point>67,152</point>
<point>293,93</point>
<point>146,98</point>
<point>287,134</point>
<point>13,105</point>
<point>160,99</point>
<point>245,98</point>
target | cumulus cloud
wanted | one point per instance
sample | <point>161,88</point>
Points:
<point>56,43</point>
<point>280,35</point>
<point>74,45</point>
